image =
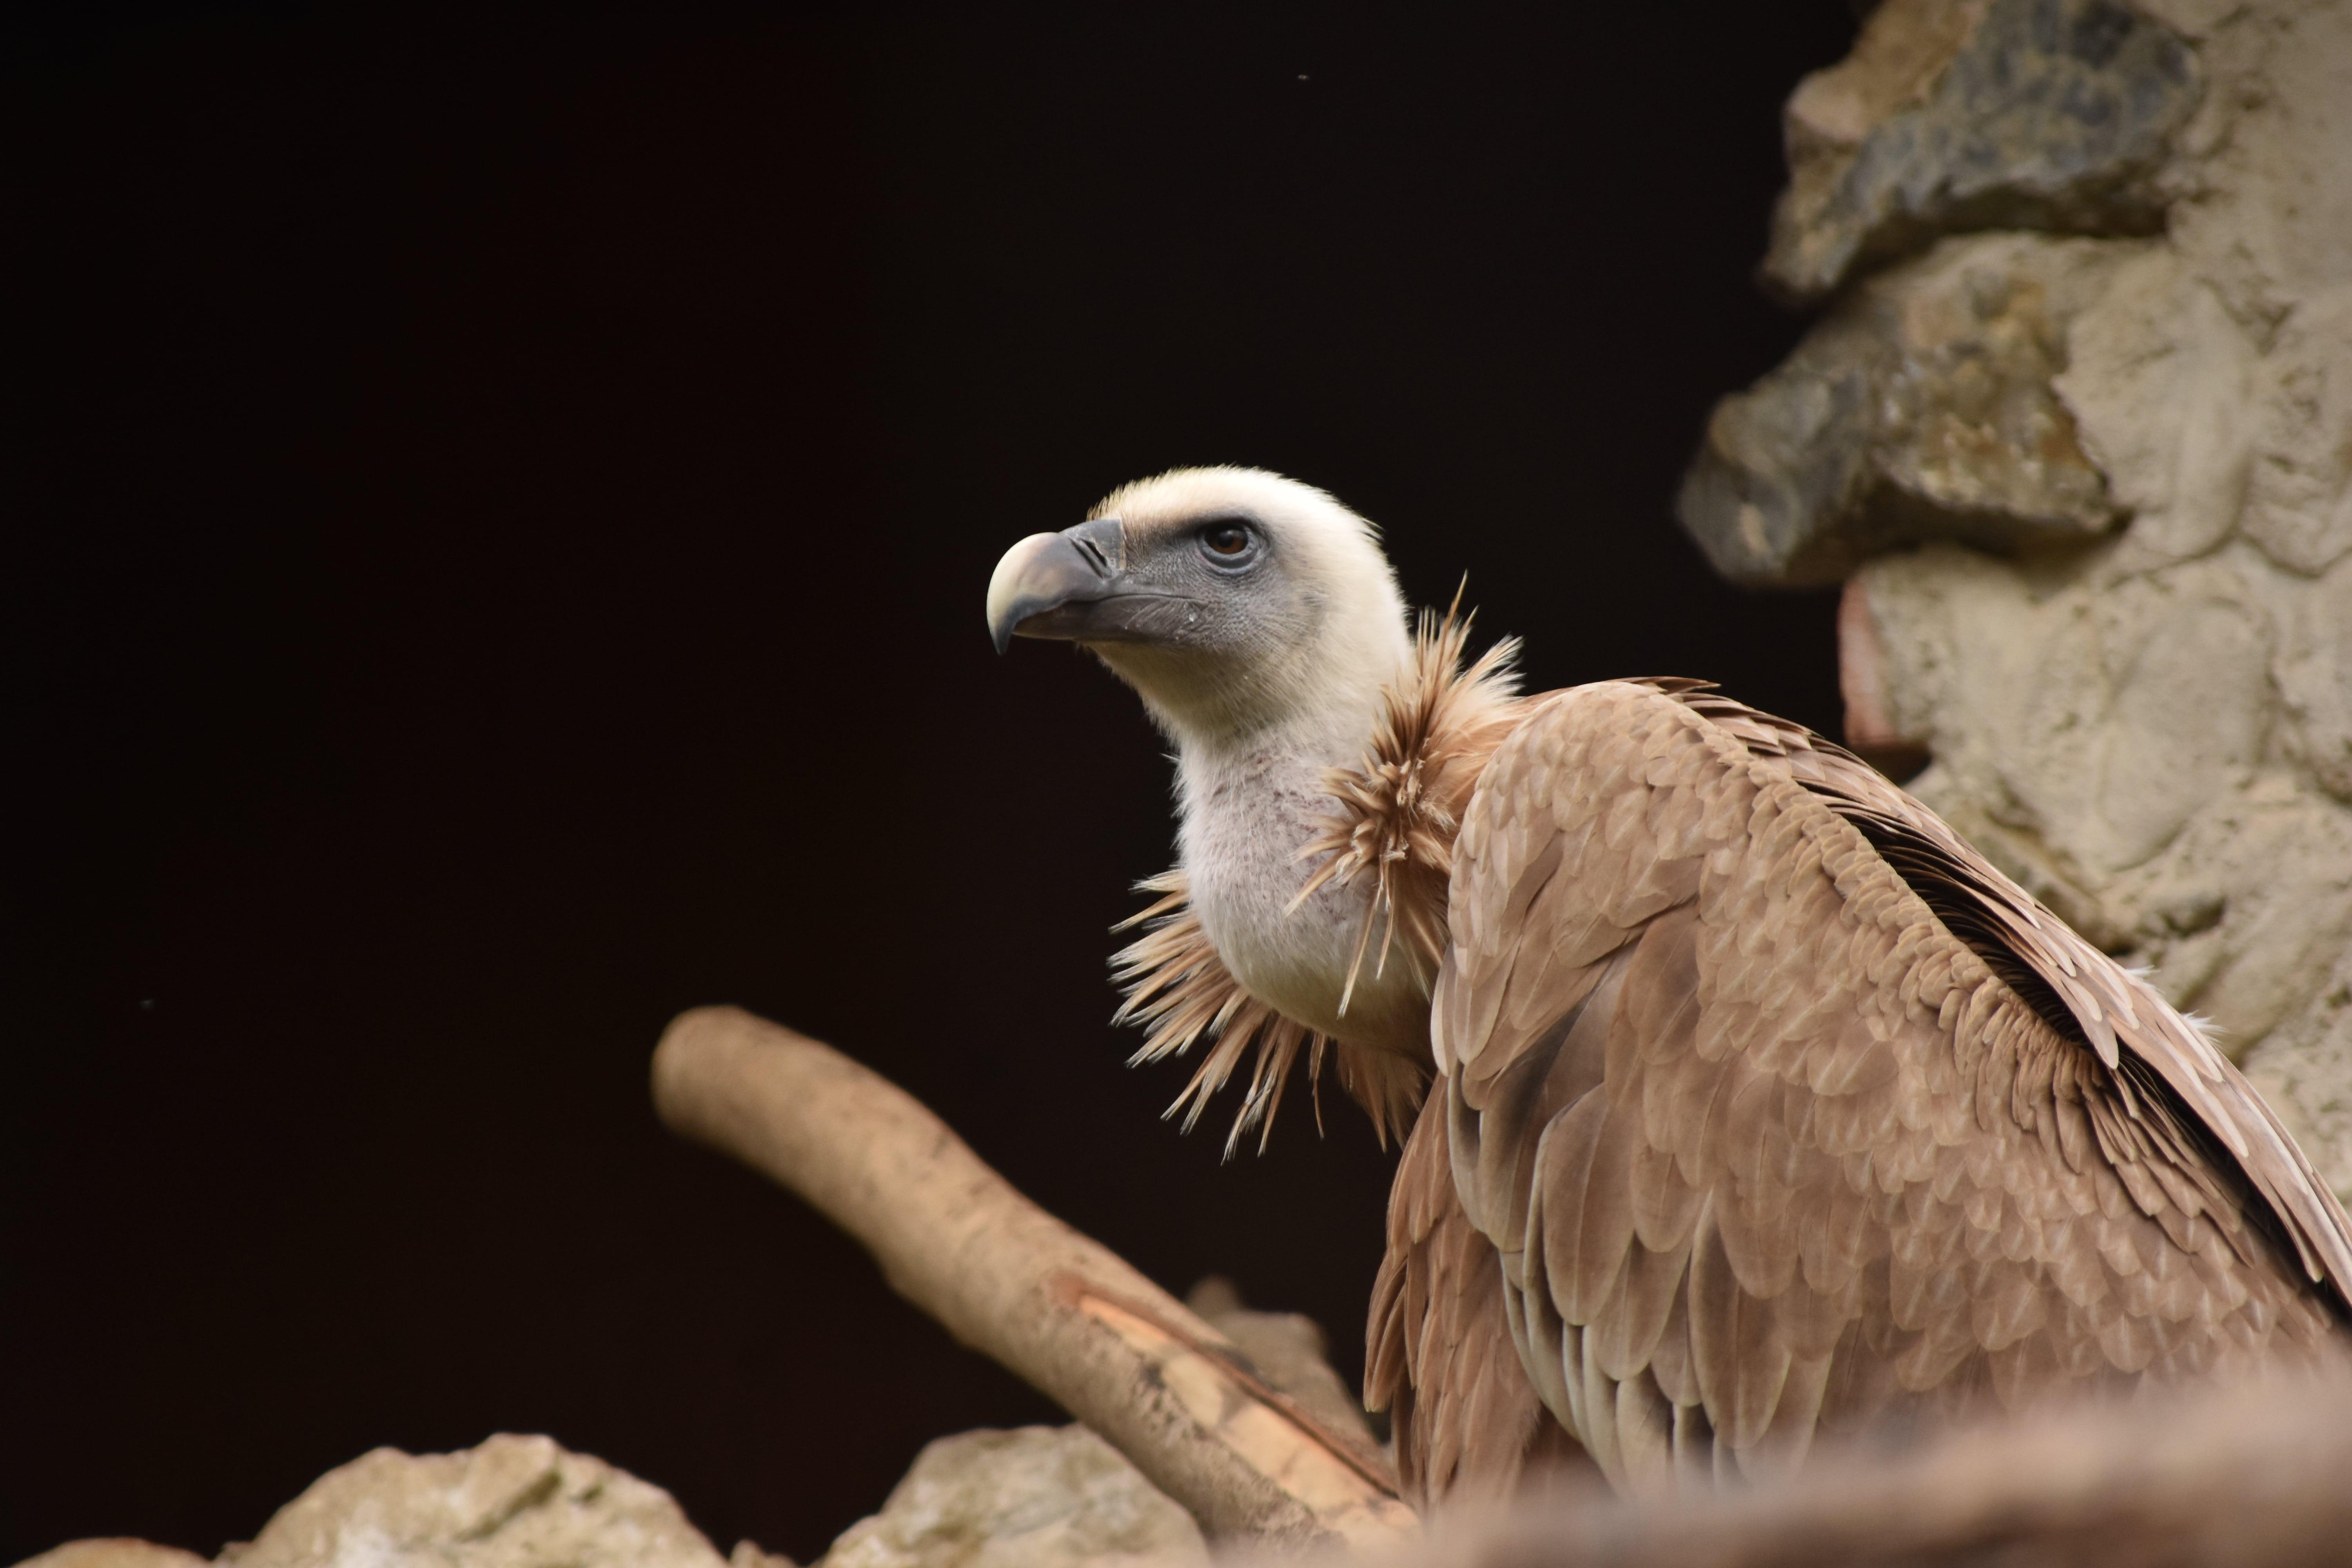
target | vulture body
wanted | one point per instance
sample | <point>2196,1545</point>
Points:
<point>1758,1108</point>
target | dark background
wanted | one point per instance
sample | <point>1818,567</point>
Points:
<point>497,517</point>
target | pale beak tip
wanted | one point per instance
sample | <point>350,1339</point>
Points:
<point>1009,599</point>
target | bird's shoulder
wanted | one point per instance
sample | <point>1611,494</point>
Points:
<point>1747,1054</point>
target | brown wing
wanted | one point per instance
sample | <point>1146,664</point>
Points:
<point>2079,990</point>
<point>1439,1356</point>
<point>1767,1149</point>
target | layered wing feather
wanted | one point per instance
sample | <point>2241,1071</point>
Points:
<point>1769,1144</point>
<point>1440,1359</point>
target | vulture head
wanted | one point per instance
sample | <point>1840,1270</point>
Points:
<point>1240,605</point>
<point>1262,627</point>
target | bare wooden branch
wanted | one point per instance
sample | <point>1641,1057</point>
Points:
<point>1010,1279</point>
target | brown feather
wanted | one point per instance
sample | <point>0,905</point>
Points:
<point>1936,1152</point>
<point>1468,1424</point>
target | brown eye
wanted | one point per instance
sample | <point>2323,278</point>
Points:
<point>1226,539</point>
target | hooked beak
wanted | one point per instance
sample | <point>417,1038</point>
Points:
<point>1073,586</point>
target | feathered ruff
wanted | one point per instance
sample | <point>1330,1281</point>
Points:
<point>1399,812</point>
<point>1180,991</point>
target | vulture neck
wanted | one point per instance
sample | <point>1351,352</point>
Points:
<point>1310,898</point>
<point>1253,760</point>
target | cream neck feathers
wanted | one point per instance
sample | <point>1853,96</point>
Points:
<point>1418,749</point>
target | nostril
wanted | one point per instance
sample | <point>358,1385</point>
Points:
<point>1093,552</point>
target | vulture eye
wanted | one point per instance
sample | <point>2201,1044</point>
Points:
<point>1227,543</point>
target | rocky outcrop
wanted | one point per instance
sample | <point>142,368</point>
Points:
<point>513,1502</point>
<point>1923,407</point>
<point>113,1551</point>
<point>2092,493</point>
<point>1042,1497</point>
<point>2038,114</point>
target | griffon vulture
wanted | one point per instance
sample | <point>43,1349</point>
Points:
<point>1748,1105</point>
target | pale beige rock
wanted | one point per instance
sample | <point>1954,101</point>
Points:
<point>2300,507</point>
<point>2315,678</point>
<point>513,1502</point>
<point>2159,380</point>
<point>749,1554</point>
<point>1041,1497</point>
<point>113,1551</point>
<point>2262,191</point>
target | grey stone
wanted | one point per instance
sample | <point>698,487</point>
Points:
<point>1923,406</point>
<point>1955,115</point>
<point>1042,1497</point>
<point>513,1502</point>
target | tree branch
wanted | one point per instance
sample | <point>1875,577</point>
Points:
<point>1009,1279</point>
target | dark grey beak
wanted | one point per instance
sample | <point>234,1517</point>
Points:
<point>1073,586</point>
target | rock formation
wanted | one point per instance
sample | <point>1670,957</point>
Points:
<point>1042,1497</point>
<point>514,1503</point>
<point>2076,430</point>
<point>113,1551</point>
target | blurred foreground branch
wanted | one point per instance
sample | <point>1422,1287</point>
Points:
<point>2253,1476</point>
<point>1010,1279</point>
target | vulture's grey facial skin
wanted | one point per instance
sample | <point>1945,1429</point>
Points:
<point>1207,586</point>
<point>1075,586</point>
<point>1236,602</point>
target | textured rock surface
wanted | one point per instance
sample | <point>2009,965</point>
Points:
<point>1922,408</point>
<point>1042,1497</point>
<point>113,1551</point>
<point>514,1503</point>
<point>2151,728</point>
<point>1975,114</point>
<point>749,1554</point>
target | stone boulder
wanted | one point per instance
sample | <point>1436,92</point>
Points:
<point>1041,1497</point>
<point>1953,115</point>
<point>1923,407</point>
<point>113,1551</point>
<point>513,1502</point>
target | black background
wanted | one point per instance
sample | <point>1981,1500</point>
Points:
<point>498,518</point>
